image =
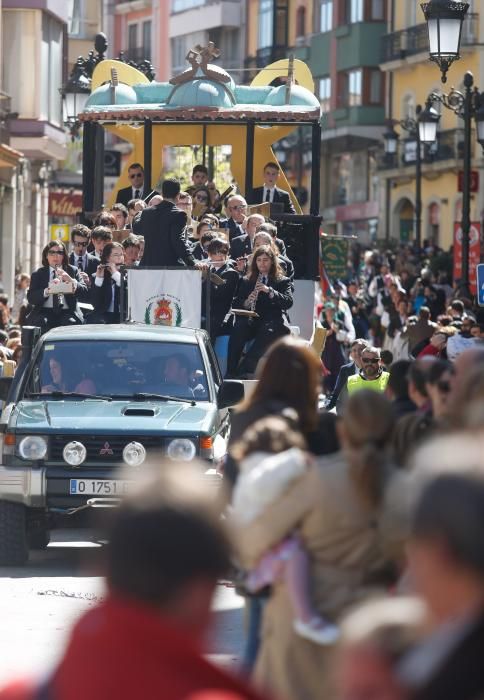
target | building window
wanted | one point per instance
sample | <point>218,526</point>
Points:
<point>377,9</point>
<point>133,36</point>
<point>266,24</point>
<point>375,87</point>
<point>74,18</point>
<point>182,5</point>
<point>354,11</point>
<point>180,45</point>
<point>325,93</point>
<point>282,23</point>
<point>301,21</point>
<point>325,15</point>
<point>146,44</point>
<point>355,87</point>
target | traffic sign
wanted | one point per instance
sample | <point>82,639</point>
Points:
<point>59,232</point>
<point>480,284</point>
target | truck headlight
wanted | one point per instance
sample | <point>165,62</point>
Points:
<point>181,450</point>
<point>33,447</point>
<point>134,454</point>
<point>74,453</point>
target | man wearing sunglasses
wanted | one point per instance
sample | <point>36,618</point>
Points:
<point>372,375</point>
<point>136,190</point>
<point>80,258</point>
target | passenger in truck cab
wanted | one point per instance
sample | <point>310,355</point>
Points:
<point>58,380</point>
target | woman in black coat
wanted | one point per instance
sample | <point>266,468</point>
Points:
<point>106,288</point>
<point>266,291</point>
<point>52,310</point>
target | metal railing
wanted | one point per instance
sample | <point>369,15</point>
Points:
<point>449,146</point>
<point>137,53</point>
<point>414,40</point>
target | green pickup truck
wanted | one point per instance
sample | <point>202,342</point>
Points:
<point>88,406</point>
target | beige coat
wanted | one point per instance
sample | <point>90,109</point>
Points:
<point>341,538</point>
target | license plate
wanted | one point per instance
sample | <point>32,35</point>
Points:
<point>98,487</point>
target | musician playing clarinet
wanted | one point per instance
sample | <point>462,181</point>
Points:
<point>265,291</point>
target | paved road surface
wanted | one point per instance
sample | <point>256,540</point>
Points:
<point>40,602</point>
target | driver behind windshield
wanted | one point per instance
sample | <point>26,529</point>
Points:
<point>177,374</point>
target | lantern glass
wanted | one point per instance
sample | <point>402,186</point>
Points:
<point>427,131</point>
<point>480,126</point>
<point>391,142</point>
<point>444,37</point>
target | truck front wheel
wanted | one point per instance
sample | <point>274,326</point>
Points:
<point>13,534</point>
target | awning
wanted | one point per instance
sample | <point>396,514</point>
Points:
<point>9,157</point>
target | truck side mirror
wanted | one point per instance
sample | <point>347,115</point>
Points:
<point>231,392</point>
<point>5,384</point>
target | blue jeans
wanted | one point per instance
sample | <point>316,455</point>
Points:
<point>255,608</point>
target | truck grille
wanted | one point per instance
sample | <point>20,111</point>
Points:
<point>102,449</point>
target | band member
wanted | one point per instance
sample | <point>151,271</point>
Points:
<point>221,296</point>
<point>52,310</point>
<point>266,292</point>
<point>270,193</point>
<point>107,285</point>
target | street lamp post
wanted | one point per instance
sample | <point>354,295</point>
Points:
<point>444,20</point>
<point>424,130</point>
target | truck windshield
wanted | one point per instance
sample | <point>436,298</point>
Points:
<point>120,369</point>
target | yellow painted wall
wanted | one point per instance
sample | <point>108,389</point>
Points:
<point>419,79</point>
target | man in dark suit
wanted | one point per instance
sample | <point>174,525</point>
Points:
<point>137,189</point>
<point>348,370</point>
<point>163,228</point>
<point>80,258</point>
<point>446,565</point>
<point>269,192</point>
<point>243,245</point>
<point>236,208</point>
<point>221,295</point>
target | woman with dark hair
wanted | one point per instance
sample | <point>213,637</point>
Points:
<point>55,309</point>
<point>201,202</point>
<point>263,296</point>
<point>336,507</point>
<point>107,285</point>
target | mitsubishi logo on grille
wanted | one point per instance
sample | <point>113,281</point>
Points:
<point>106,450</point>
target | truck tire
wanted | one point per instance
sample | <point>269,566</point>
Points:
<point>13,534</point>
<point>38,532</point>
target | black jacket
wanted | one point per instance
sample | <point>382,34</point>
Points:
<point>240,246</point>
<point>126,194</point>
<point>40,280</point>
<point>461,676</point>
<point>102,296</point>
<point>92,263</point>
<point>267,308</point>
<point>221,297</point>
<point>280,196</point>
<point>345,371</point>
<point>235,230</point>
<point>163,228</point>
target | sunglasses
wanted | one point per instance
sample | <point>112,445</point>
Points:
<point>201,198</point>
<point>238,207</point>
<point>82,244</point>
<point>55,252</point>
<point>370,360</point>
<point>132,177</point>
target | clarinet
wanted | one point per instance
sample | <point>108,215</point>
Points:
<point>257,284</point>
<point>60,297</point>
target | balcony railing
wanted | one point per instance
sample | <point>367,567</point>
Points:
<point>184,5</point>
<point>414,40</point>
<point>449,146</point>
<point>137,54</point>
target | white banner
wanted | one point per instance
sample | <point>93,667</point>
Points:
<point>165,297</point>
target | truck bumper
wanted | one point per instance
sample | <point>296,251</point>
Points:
<point>23,485</point>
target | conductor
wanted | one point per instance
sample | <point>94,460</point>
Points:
<point>163,228</point>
